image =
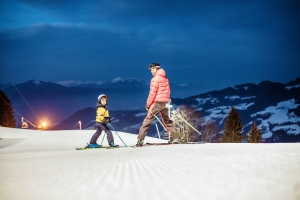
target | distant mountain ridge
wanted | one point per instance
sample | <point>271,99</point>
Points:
<point>114,83</point>
<point>56,102</point>
<point>274,106</point>
<point>266,103</point>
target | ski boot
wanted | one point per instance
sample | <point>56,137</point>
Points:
<point>94,145</point>
<point>177,141</point>
<point>139,143</point>
<point>112,145</point>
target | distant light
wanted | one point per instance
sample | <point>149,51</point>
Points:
<point>79,125</point>
<point>44,124</point>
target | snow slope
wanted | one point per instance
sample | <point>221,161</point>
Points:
<point>45,165</point>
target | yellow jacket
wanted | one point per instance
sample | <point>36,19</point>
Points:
<point>102,113</point>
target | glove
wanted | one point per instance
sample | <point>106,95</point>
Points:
<point>107,120</point>
<point>147,107</point>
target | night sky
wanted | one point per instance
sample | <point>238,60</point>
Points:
<point>216,43</point>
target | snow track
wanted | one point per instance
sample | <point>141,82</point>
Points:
<point>45,165</point>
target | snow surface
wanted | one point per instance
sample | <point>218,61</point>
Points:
<point>118,79</point>
<point>291,129</point>
<point>202,101</point>
<point>290,87</point>
<point>142,114</point>
<point>278,115</point>
<point>37,82</point>
<point>221,112</point>
<point>72,83</point>
<point>234,97</point>
<point>248,97</point>
<point>45,165</point>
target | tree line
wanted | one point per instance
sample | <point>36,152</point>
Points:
<point>232,131</point>
<point>7,118</point>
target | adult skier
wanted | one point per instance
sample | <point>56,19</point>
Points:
<point>159,96</point>
<point>102,119</point>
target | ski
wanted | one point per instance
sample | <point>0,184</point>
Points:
<point>159,143</point>
<point>164,143</point>
<point>195,142</point>
<point>101,147</point>
<point>173,143</point>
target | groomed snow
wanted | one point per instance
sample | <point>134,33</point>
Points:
<point>45,165</point>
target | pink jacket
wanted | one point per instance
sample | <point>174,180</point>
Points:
<point>159,88</point>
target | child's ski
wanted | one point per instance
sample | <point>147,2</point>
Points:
<point>101,147</point>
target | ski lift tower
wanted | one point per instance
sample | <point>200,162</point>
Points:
<point>169,106</point>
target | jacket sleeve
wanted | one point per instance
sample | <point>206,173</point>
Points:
<point>153,90</point>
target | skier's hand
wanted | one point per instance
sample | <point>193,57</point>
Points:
<point>107,120</point>
<point>147,107</point>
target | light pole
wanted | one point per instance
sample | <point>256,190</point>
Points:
<point>79,125</point>
<point>169,106</point>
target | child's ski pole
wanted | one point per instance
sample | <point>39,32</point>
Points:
<point>103,138</point>
<point>117,134</point>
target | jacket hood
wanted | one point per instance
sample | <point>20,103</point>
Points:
<point>160,72</point>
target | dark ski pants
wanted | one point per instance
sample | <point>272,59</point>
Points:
<point>159,107</point>
<point>102,127</point>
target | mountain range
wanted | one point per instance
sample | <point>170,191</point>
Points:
<point>274,106</point>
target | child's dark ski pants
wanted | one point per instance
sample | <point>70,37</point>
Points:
<point>102,127</point>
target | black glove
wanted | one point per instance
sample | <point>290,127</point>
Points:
<point>107,120</point>
<point>147,107</point>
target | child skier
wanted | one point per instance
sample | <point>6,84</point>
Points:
<point>102,120</point>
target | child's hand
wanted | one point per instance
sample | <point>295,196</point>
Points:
<point>107,120</point>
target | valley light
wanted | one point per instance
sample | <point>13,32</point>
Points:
<point>79,125</point>
<point>44,124</point>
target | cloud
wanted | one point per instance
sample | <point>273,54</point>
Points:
<point>227,41</point>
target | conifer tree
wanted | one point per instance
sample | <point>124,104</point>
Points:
<point>254,135</point>
<point>233,128</point>
<point>7,118</point>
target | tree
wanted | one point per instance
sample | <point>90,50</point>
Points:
<point>233,128</point>
<point>7,118</point>
<point>254,135</point>
<point>190,115</point>
<point>210,132</point>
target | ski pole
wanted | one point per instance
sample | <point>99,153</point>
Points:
<point>103,138</point>
<point>117,134</point>
<point>159,121</point>
<point>161,124</point>
<point>188,124</point>
<point>157,131</point>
